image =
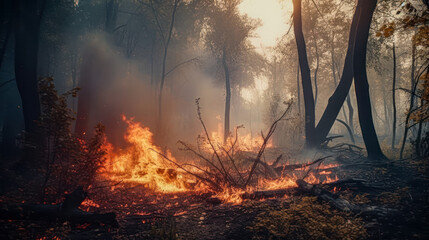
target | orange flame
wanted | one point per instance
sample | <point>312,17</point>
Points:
<point>141,162</point>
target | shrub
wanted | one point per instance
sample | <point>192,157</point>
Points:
<point>66,161</point>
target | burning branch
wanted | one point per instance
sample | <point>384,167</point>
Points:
<point>216,186</point>
<point>266,138</point>
<point>225,173</point>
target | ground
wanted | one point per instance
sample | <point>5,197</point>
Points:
<point>400,186</point>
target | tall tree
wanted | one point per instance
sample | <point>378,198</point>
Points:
<point>309,110</point>
<point>27,23</point>
<point>394,96</point>
<point>227,38</point>
<point>317,135</point>
<point>166,42</point>
<point>361,80</point>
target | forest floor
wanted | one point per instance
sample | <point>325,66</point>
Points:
<point>401,186</point>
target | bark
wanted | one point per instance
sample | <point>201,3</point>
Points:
<point>28,16</point>
<point>227,96</point>
<point>337,99</point>
<point>361,80</point>
<point>413,90</point>
<point>394,97</point>
<point>5,41</point>
<point>386,113</point>
<point>299,90</point>
<point>316,89</point>
<point>305,75</point>
<point>351,113</point>
<point>419,132</point>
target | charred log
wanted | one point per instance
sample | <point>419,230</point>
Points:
<point>342,204</point>
<point>67,211</point>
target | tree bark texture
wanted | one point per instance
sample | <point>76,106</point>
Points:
<point>361,81</point>
<point>305,75</point>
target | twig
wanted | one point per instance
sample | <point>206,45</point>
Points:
<point>225,173</point>
<point>233,164</point>
<point>262,149</point>
<point>199,155</point>
<point>317,161</point>
<point>184,169</point>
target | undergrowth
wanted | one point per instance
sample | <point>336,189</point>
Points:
<point>66,161</point>
<point>306,219</point>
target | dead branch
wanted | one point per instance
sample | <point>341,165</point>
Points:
<point>188,148</point>
<point>215,185</point>
<point>233,164</point>
<point>298,166</point>
<point>342,204</point>
<point>262,149</point>
<point>277,161</point>
<point>225,173</point>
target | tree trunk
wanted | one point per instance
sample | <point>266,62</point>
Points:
<point>386,114</point>
<point>413,90</point>
<point>227,96</point>
<point>305,75</point>
<point>361,80</point>
<point>28,15</point>
<point>316,89</point>
<point>298,90</point>
<point>111,15</point>
<point>394,97</point>
<point>164,61</point>
<point>152,63</point>
<point>86,85</point>
<point>336,101</point>
<point>351,112</point>
<point>419,132</point>
<point>6,39</point>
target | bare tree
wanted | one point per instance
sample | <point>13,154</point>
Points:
<point>361,80</point>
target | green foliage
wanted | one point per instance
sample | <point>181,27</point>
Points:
<point>66,161</point>
<point>307,219</point>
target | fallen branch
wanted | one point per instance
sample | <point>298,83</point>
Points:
<point>67,211</point>
<point>342,204</point>
<point>298,166</point>
<point>266,138</point>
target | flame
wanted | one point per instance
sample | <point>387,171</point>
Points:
<point>245,142</point>
<point>142,163</point>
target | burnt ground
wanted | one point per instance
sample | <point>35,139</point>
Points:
<point>401,186</point>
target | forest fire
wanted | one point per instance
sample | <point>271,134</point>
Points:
<point>224,119</point>
<point>142,162</point>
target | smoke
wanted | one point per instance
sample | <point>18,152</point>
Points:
<point>119,86</point>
